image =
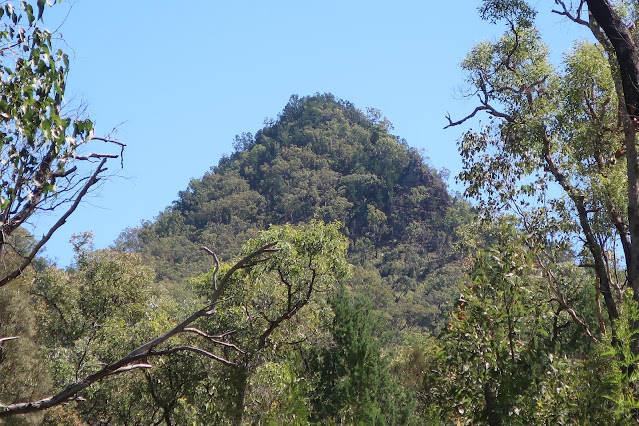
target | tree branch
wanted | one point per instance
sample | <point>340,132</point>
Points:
<point>214,339</point>
<point>34,251</point>
<point>595,249</point>
<point>195,350</point>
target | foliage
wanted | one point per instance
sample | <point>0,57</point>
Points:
<point>272,309</point>
<point>545,323</point>
<point>42,148</point>
<point>353,383</point>
<point>511,350</point>
<point>45,166</point>
<point>105,307</point>
<point>93,314</point>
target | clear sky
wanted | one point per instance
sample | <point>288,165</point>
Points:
<point>180,79</point>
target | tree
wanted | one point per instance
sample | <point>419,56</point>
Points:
<point>45,158</point>
<point>511,354</point>
<point>22,364</point>
<point>553,133</point>
<point>46,163</point>
<point>620,38</point>
<point>276,308</point>
<point>353,383</point>
<point>272,300</point>
<point>549,155</point>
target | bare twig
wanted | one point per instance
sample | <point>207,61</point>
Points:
<point>7,339</point>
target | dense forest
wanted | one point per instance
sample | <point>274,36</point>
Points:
<point>323,273</point>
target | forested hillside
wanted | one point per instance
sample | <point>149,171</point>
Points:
<point>323,159</point>
<point>322,273</point>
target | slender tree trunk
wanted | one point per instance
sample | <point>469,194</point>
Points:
<point>490,410</point>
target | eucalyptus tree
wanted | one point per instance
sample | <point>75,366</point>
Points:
<point>48,163</point>
<point>117,346</point>
<point>552,149</point>
<point>558,151</point>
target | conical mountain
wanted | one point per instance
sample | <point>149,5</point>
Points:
<point>321,159</point>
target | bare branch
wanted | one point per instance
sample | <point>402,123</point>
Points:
<point>60,174</point>
<point>452,123</point>
<point>197,351</point>
<point>217,265</point>
<point>113,141</point>
<point>94,155</point>
<point>214,339</point>
<point>36,248</point>
<point>131,367</point>
<point>485,107</point>
<point>573,16</point>
<point>108,140</point>
<point>7,339</point>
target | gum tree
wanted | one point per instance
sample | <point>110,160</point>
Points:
<point>253,313</point>
<point>558,152</point>
<point>46,162</point>
<point>47,158</point>
<point>552,150</point>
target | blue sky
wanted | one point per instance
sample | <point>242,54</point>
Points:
<point>180,80</point>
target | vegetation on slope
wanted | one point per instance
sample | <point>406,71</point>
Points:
<point>323,159</point>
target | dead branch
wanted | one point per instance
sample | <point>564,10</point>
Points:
<point>93,155</point>
<point>7,339</point>
<point>36,248</point>
<point>484,107</point>
<point>573,16</point>
<point>217,265</point>
<point>197,351</point>
<point>214,339</point>
<point>132,367</point>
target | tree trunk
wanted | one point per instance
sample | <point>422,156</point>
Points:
<point>623,43</point>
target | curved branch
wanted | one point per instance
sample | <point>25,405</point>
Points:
<point>591,242</point>
<point>7,339</point>
<point>574,17</point>
<point>198,351</point>
<point>36,248</point>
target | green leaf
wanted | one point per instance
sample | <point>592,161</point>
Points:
<point>40,9</point>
